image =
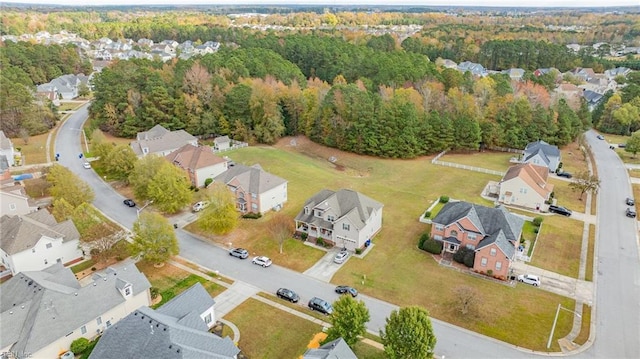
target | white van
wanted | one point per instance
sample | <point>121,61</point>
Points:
<point>200,206</point>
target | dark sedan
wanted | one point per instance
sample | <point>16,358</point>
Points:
<point>344,289</point>
<point>129,202</point>
<point>288,294</point>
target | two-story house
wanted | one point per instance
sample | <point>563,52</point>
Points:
<point>14,201</point>
<point>345,218</point>
<point>254,189</point>
<point>178,329</point>
<point>43,312</point>
<point>525,185</point>
<point>6,149</point>
<point>160,141</point>
<point>541,153</point>
<point>198,162</point>
<point>493,234</point>
<point>36,241</point>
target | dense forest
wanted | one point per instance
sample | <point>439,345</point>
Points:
<point>23,66</point>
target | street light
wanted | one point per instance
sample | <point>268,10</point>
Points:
<point>556,321</point>
<point>143,207</point>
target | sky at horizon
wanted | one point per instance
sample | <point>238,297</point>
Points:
<point>486,3</point>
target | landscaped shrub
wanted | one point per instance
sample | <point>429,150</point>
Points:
<point>432,246</point>
<point>460,254</point>
<point>252,215</point>
<point>469,258</point>
<point>207,182</point>
<point>490,272</point>
<point>320,242</point>
<point>304,236</point>
<point>427,214</point>
<point>79,345</point>
<point>444,199</point>
<point>423,238</point>
<point>536,230</point>
<point>154,292</point>
<point>358,250</point>
<point>537,221</point>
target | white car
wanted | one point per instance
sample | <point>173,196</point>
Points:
<point>341,257</point>
<point>262,261</point>
<point>199,206</point>
<point>86,165</point>
<point>534,280</point>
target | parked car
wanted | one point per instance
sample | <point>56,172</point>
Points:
<point>199,206</point>
<point>622,145</point>
<point>534,280</point>
<point>239,252</point>
<point>560,210</point>
<point>630,202</point>
<point>341,257</point>
<point>344,289</point>
<point>288,294</point>
<point>129,202</point>
<point>564,174</point>
<point>630,213</point>
<point>67,355</point>
<point>600,137</point>
<point>320,305</point>
<point>86,165</point>
<point>261,261</point>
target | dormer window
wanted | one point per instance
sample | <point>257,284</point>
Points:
<point>306,210</point>
<point>331,218</point>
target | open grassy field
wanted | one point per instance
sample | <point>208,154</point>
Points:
<point>558,245</point>
<point>34,151</point>
<point>395,270</point>
<point>267,332</point>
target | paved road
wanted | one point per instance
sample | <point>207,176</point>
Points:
<point>618,280</point>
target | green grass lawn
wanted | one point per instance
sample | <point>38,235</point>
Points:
<point>558,245</point>
<point>69,106</point>
<point>366,351</point>
<point>567,197</point>
<point>497,161</point>
<point>267,332</point>
<point>34,151</point>
<point>588,275</point>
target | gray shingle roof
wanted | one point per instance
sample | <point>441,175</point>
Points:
<point>40,307</point>
<point>336,349</point>
<point>345,203</point>
<point>20,233</point>
<point>545,150</point>
<point>497,224</point>
<point>159,139</point>
<point>5,142</point>
<point>252,179</point>
<point>162,333</point>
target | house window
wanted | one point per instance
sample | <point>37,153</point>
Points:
<point>254,206</point>
<point>83,329</point>
<point>498,265</point>
<point>12,206</point>
<point>208,318</point>
<point>345,226</point>
<point>471,246</point>
<point>108,323</point>
<point>437,237</point>
<point>306,210</point>
<point>439,227</point>
<point>49,245</point>
<point>523,190</point>
<point>46,262</point>
<point>493,252</point>
<point>483,262</point>
<point>59,260</point>
<point>33,250</point>
<point>253,195</point>
<point>99,320</point>
<point>471,236</point>
<point>127,291</point>
<point>331,218</point>
<point>454,233</point>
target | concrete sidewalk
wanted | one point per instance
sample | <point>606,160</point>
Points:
<point>233,296</point>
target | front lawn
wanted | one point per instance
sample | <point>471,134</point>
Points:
<point>559,245</point>
<point>34,151</point>
<point>567,197</point>
<point>267,332</point>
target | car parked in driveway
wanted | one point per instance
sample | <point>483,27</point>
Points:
<point>630,202</point>
<point>288,294</point>
<point>239,252</point>
<point>129,202</point>
<point>534,280</point>
<point>341,257</point>
<point>560,210</point>
<point>261,261</point>
<point>86,165</point>
<point>344,289</point>
<point>199,206</point>
<point>564,174</point>
<point>630,213</point>
<point>320,305</point>
<point>600,137</point>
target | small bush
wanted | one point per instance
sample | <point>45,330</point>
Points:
<point>207,182</point>
<point>537,221</point>
<point>79,345</point>
<point>320,242</point>
<point>358,250</point>
<point>427,214</point>
<point>469,259</point>
<point>154,292</point>
<point>432,246</point>
<point>460,254</point>
<point>304,236</point>
<point>490,272</point>
<point>252,215</point>
<point>444,199</point>
<point>536,230</point>
<point>423,238</point>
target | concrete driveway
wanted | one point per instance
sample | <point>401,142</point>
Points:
<point>324,269</point>
<point>580,290</point>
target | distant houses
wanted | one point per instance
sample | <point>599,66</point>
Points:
<point>199,163</point>
<point>254,189</point>
<point>542,154</point>
<point>161,141</point>
<point>65,87</point>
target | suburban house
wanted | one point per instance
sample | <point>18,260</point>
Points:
<point>618,71</point>
<point>178,329</point>
<point>198,162</point>
<point>255,190</point>
<point>525,185</point>
<point>345,218</point>
<point>593,98</point>
<point>6,149</point>
<point>337,349</point>
<point>493,234</point>
<point>569,91</point>
<point>43,312</point>
<point>583,73</point>
<point>514,74</point>
<point>14,201</point>
<point>542,154</point>
<point>447,63</point>
<point>475,68</point>
<point>64,87</point>
<point>36,241</point>
<point>221,143</point>
<point>160,141</point>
